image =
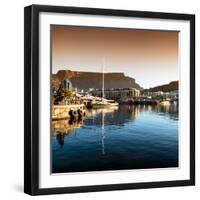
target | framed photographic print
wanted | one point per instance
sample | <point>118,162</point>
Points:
<point>109,99</point>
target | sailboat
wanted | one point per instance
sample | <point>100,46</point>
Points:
<point>104,103</point>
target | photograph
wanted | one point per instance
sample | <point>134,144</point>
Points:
<point>114,99</point>
<point>109,99</point>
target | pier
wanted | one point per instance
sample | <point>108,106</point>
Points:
<point>67,111</point>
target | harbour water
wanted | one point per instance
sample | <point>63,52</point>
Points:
<point>118,138</point>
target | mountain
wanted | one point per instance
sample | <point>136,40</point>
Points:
<point>165,88</point>
<point>86,80</point>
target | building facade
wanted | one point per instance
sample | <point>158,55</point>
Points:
<point>67,84</point>
<point>117,94</point>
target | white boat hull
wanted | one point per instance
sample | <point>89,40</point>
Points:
<point>104,105</point>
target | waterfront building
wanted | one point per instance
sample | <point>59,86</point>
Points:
<point>157,94</point>
<point>118,94</point>
<point>91,89</point>
<point>67,84</point>
<point>173,94</point>
<point>161,95</point>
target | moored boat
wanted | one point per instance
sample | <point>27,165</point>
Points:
<point>105,103</point>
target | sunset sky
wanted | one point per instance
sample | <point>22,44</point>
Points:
<point>151,57</point>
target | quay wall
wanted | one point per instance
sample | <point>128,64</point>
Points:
<point>62,111</point>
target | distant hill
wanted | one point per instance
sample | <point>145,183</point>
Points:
<point>165,88</point>
<point>86,80</point>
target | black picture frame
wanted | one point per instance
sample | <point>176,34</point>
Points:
<point>31,98</point>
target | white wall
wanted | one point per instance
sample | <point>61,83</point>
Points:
<point>11,81</point>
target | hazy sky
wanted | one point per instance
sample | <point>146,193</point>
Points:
<point>151,57</point>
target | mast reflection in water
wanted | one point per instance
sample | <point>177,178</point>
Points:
<point>128,137</point>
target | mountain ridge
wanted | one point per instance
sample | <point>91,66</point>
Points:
<point>87,80</point>
<point>171,86</point>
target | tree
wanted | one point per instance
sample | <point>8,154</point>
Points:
<point>68,93</point>
<point>63,94</point>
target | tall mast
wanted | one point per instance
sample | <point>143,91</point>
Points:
<point>103,134</point>
<point>103,95</point>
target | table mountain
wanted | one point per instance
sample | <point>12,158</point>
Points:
<point>86,80</point>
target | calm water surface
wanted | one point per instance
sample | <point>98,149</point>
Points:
<point>128,137</point>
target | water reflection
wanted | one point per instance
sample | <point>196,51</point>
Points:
<point>61,128</point>
<point>66,126</point>
<point>103,133</point>
<point>117,116</point>
<point>127,137</point>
